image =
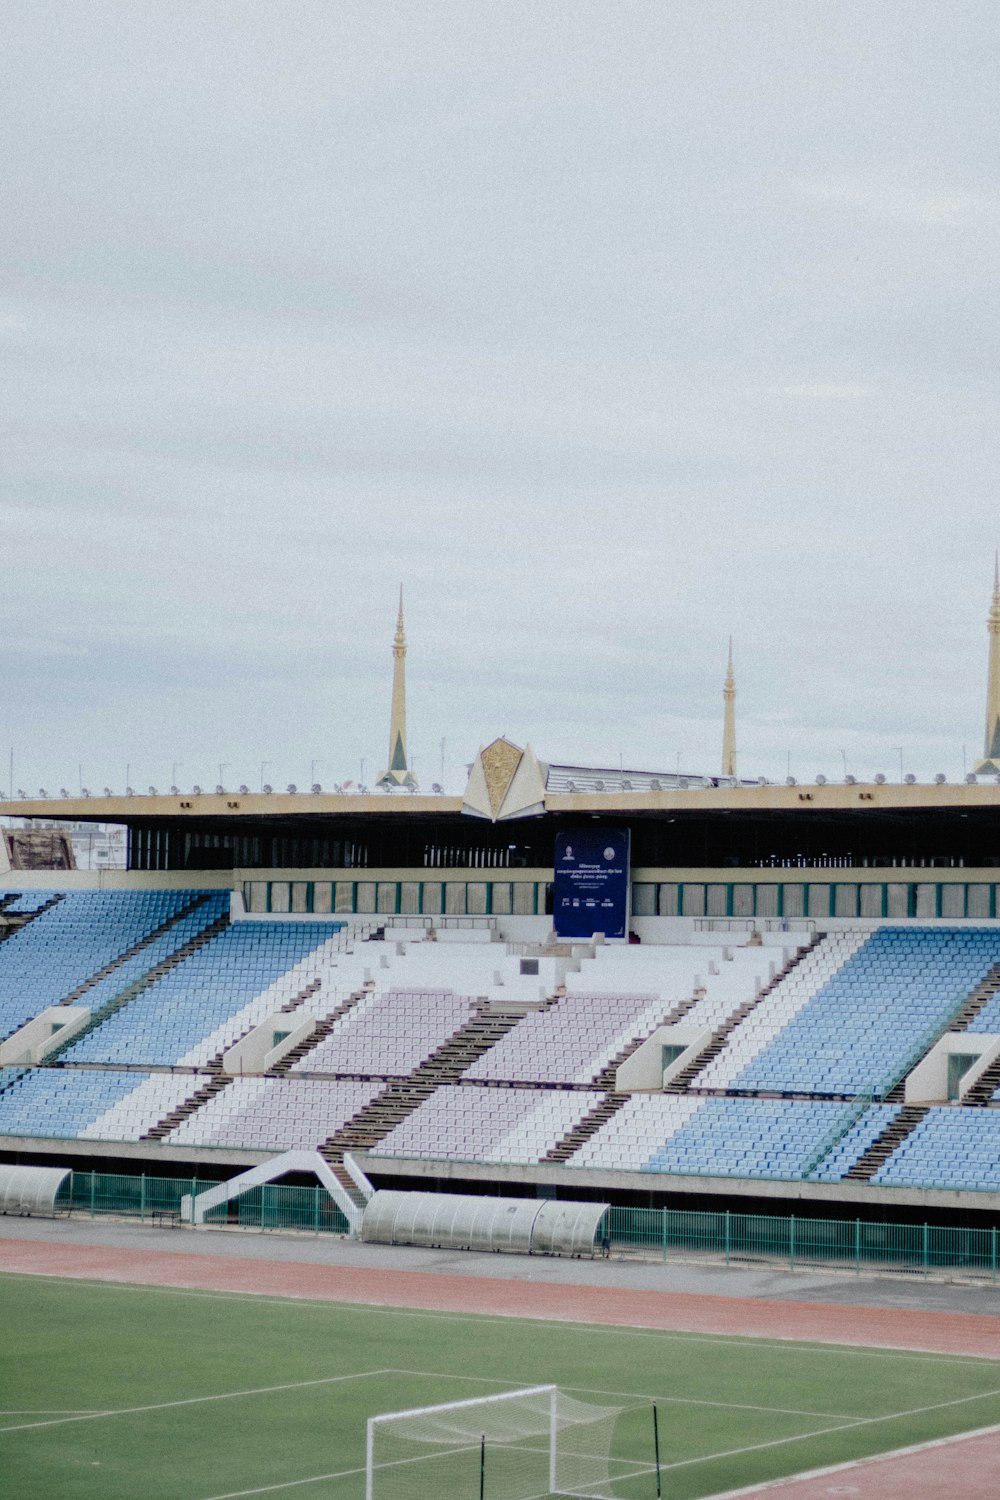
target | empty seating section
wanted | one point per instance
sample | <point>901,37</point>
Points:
<point>887,1002</point>
<point>70,1102</point>
<point>988,1019</point>
<point>60,950</point>
<point>789,996</point>
<point>465,1123</point>
<point>735,1137</point>
<point>177,1013</point>
<point>950,1148</point>
<point>572,1040</point>
<point>627,1141</point>
<point>275,1114</point>
<point>390,1034</point>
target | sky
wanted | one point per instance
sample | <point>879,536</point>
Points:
<point>608,331</point>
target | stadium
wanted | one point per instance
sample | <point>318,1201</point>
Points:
<point>575,1011</point>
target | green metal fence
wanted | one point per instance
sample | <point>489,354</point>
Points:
<point>646,1233</point>
<point>158,1200</point>
<point>768,1239</point>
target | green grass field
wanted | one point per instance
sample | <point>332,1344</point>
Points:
<point>113,1391</point>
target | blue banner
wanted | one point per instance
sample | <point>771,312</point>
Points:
<point>590,888</point>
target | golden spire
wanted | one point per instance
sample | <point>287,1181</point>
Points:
<point>991,748</point>
<point>398,772</point>
<point>729,719</point>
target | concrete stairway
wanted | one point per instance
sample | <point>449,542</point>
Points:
<point>682,1082</point>
<point>585,1128</point>
<point>323,1029</point>
<point>116,963</point>
<point>124,997</point>
<point>194,1101</point>
<point>985,1087</point>
<point>605,1078</point>
<point>884,1145</point>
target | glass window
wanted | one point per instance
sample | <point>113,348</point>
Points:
<point>387,896</point>
<point>524,898</point>
<point>694,900</point>
<point>978,901</point>
<point>742,900</point>
<point>717,900</point>
<point>258,895</point>
<point>323,896</point>
<point>365,895</point>
<point>644,900</point>
<point>344,896</point>
<point>669,900</point>
<point>409,897</point>
<point>897,899</point>
<point>845,900</point>
<point>926,899</point>
<point>475,898</point>
<point>793,900</point>
<point>767,901</point>
<point>279,895</point>
<point>300,895</point>
<point>454,898</point>
<point>500,898</point>
<point>953,900</point>
<point>432,897</point>
<point>871,900</point>
<point>819,900</point>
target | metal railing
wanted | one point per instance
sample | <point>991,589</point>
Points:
<point>776,1241</point>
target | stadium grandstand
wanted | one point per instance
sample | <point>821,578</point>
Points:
<point>568,981</point>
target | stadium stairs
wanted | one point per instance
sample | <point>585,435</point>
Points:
<point>683,1081</point>
<point>585,1128</point>
<point>122,958</point>
<point>979,998</point>
<point>323,1029</point>
<point>194,1101</point>
<point>399,1099</point>
<point>982,1091</point>
<point>884,1145</point>
<point>117,1002</point>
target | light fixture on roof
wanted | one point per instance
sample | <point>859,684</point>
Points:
<point>571,785</point>
<point>437,788</point>
<point>84,792</point>
<point>853,780</point>
<point>174,792</point>
<point>654,785</point>
<point>338,789</point>
<point>971,778</point>
<point>266,789</point>
<point>683,783</point>
<point>626,785</point>
<point>315,788</point>
<point>909,778</point>
<point>42,792</point>
<point>599,785</point>
<point>108,792</point>
<point>940,779</point>
<point>789,780</point>
<point>152,791</point>
<point>821,780</point>
<point>363,790</point>
<point>291,787</point>
<point>22,793</point>
<point>244,790</point>
<point>63,792</point>
<point>196,791</point>
<point>129,792</point>
<point>880,779</point>
<point>220,790</point>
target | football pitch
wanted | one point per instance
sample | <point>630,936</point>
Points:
<point>108,1392</point>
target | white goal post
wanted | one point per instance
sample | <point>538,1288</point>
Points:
<point>518,1445</point>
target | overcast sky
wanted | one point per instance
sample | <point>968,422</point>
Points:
<point>607,330</point>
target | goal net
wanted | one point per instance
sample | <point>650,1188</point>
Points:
<point>520,1445</point>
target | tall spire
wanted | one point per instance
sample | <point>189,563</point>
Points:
<point>990,765</point>
<point>729,719</point>
<point>398,772</point>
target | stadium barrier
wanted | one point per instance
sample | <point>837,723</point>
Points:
<point>644,1233</point>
